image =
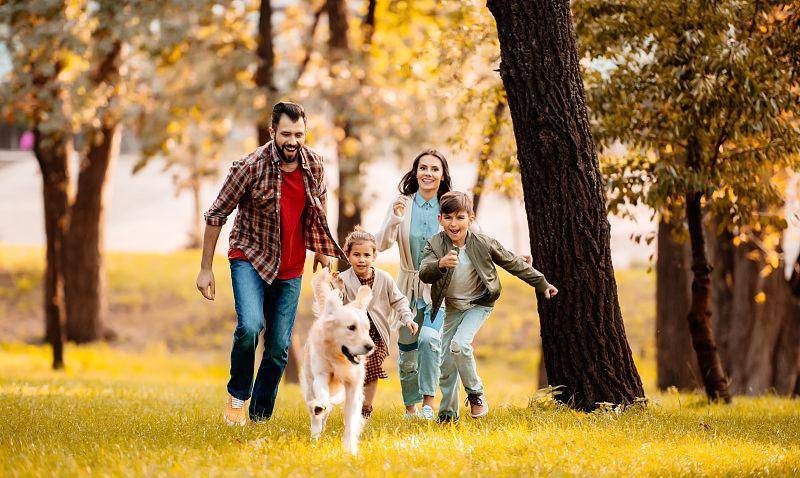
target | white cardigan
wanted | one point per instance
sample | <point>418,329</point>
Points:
<point>387,303</point>
<point>397,229</point>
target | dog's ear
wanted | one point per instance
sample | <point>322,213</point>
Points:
<point>363,297</point>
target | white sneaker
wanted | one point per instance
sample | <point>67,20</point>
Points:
<point>411,416</point>
<point>426,413</point>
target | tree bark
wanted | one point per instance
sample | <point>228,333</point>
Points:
<point>492,132</point>
<point>699,317</point>
<point>265,76</point>
<point>583,337</point>
<point>84,273</point>
<point>53,155</point>
<point>675,360</point>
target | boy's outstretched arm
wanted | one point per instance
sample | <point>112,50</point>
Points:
<point>516,265</point>
<point>429,271</point>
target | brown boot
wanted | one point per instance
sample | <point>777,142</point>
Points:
<point>234,416</point>
<point>478,407</point>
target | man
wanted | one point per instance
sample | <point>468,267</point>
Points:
<point>280,192</point>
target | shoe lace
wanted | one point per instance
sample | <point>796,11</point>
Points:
<point>474,400</point>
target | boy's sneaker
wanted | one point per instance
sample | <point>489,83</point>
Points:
<point>235,413</point>
<point>447,418</point>
<point>477,405</point>
<point>426,413</point>
<point>410,416</point>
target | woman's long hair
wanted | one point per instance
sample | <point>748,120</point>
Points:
<point>409,184</point>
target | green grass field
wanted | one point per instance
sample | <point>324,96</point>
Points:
<point>150,404</point>
<point>159,414</point>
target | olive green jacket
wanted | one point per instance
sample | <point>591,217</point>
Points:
<point>484,252</point>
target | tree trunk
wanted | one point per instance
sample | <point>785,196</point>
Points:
<point>675,359</point>
<point>53,154</point>
<point>84,274</point>
<point>264,78</point>
<point>491,133</point>
<point>722,254</point>
<point>699,317</point>
<point>541,380</point>
<point>198,220</point>
<point>583,337</point>
<point>348,144</point>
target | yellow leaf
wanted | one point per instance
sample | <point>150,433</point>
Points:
<point>767,270</point>
<point>760,298</point>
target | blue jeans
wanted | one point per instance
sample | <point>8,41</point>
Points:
<point>460,327</point>
<point>260,306</point>
<point>419,358</point>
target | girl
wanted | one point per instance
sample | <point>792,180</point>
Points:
<point>360,248</point>
<point>410,221</point>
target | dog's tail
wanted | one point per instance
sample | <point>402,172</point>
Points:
<point>321,285</point>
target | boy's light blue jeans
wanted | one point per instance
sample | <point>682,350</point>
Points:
<point>419,358</point>
<point>460,327</point>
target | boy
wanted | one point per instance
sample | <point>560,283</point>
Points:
<point>460,265</point>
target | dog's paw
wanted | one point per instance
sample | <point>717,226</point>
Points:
<point>351,448</point>
<point>319,406</point>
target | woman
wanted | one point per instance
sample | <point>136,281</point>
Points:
<point>410,221</point>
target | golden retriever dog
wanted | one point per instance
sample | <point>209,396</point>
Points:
<point>334,358</point>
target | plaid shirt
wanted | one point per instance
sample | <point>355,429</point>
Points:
<point>253,185</point>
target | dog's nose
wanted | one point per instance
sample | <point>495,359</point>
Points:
<point>369,347</point>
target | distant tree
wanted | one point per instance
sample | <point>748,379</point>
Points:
<point>66,80</point>
<point>707,108</point>
<point>583,337</point>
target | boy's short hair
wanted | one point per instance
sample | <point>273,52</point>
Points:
<point>454,202</point>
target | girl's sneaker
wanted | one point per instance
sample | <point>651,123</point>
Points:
<point>426,413</point>
<point>477,405</point>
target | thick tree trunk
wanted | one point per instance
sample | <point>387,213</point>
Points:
<point>583,337</point>
<point>675,360</point>
<point>491,133</point>
<point>699,317</point>
<point>84,274</point>
<point>53,154</point>
<point>264,78</point>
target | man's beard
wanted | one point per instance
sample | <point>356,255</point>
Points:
<point>285,158</point>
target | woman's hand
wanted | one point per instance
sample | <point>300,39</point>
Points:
<point>412,327</point>
<point>550,292</point>
<point>399,206</point>
<point>450,261</point>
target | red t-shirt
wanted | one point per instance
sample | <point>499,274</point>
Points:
<point>293,247</point>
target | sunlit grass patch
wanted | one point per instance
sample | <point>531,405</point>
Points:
<point>159,414</point>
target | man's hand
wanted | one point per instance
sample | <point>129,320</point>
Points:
<point>205,283</point>
<point>412,327</point>
<point>320,260</point>
<point>528,259</point>
<point>450,261</point>
<point>400,205</point>
<point>550,292</point>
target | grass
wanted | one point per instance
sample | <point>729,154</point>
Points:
<point>150,403</point>
<point>156,413</point>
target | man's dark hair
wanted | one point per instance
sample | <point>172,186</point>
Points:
<point>454,202</point>
<point>292,110</point>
